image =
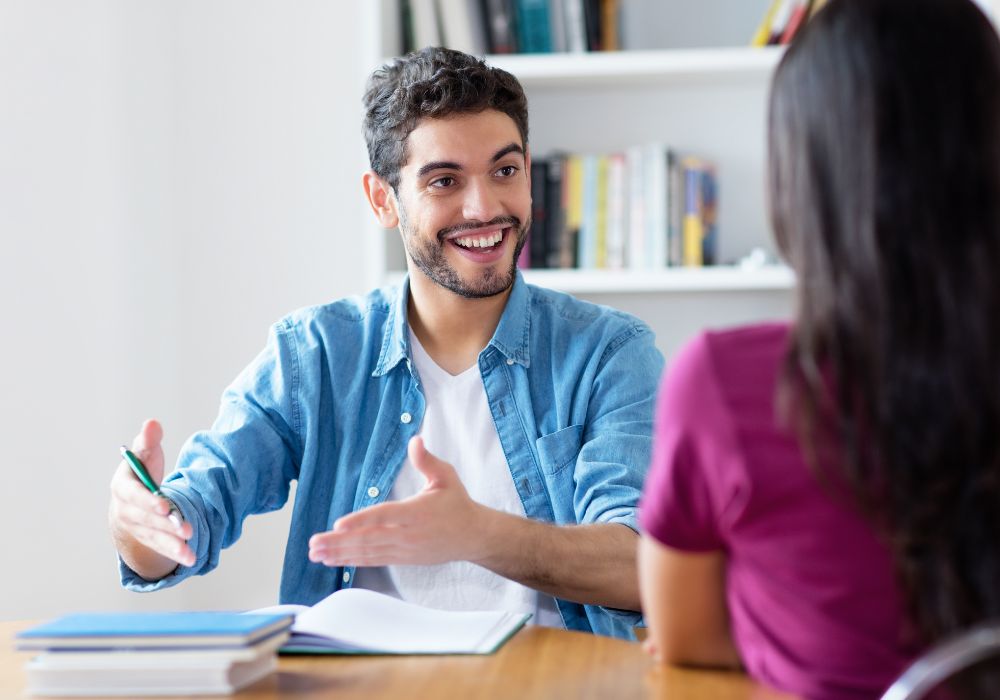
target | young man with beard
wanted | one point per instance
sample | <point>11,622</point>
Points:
<point>465,441</point>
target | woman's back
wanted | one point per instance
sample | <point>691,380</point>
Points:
<point>811,592</point>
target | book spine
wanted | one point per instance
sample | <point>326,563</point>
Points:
<point>601,214</point>
<point>426,30</point>
<point>555,211</point>
<point>798,17</point>
<point>557,22</point>
<point>763,33</point>
<point>539,242</point>
<point>693,227</point>
<point>499,26</point>
<point>592,22</point>
<point>533,26</point>
<point>462,26</point>
<point>675,210</point>
<point>610,31</point>
<point>574,211</point>
<point>587,243</point>
<point>617,211</point>
<point>636,209</point>
<point>656,205</point>
<point>709,216</point>
<point>576,26</point>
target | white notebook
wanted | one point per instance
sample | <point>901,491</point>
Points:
<point>358,621</point>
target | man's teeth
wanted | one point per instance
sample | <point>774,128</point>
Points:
<point>480,241</point>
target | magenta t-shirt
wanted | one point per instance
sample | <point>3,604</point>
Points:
<point>813,601</point>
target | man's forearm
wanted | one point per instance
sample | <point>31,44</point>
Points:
<point>589,564</point>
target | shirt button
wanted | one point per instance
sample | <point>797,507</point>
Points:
<point>406,417</point>
<point>510,361</point>
<point>346,577</point>
<point>372,492</point>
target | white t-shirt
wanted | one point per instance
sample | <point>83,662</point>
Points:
<point>458,428</point>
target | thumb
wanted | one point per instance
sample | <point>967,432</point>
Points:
<point>146,446</point>
<point>435,470</point>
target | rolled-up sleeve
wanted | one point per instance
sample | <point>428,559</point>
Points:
<point>243,465</point>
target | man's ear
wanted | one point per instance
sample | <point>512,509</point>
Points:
<point>381,199</point>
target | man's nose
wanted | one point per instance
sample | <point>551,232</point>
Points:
<point>481,202</point>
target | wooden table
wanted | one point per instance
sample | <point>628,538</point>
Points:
<point>537,662</point>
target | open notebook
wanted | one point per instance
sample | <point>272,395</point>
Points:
<point>358,621</point>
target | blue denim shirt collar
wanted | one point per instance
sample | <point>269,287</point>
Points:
<point>511,338</point>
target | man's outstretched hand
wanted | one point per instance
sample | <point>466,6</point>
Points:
<point>439,524</point>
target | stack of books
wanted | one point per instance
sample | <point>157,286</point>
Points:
<point>134,654</point>
<point>646,208</point>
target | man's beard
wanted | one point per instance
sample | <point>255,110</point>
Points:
<point>429,257</point>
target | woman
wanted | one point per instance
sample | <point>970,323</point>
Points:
<point>823,500</point>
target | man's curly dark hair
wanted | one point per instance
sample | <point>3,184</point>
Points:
<point>433,82</point>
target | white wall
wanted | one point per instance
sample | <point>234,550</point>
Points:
<point>174,176</point>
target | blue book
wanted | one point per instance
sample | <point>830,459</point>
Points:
<point>139,630</point>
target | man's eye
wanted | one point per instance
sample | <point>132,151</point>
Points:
<point>447,181</point>
<point>507,170</point>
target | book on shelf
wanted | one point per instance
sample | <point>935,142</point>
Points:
<point>783,20</point>
<point>624,210</point>
<point>358,621</point>
<point>509,26</point>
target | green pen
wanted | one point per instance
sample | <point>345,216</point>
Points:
<point>139,469</point>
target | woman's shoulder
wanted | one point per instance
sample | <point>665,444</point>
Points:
<point>734,351</point>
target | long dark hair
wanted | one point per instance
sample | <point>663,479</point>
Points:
<point>884,141</point>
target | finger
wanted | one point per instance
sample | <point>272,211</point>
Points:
<point>395,513</point>
<point>435,470</point>
<point>127,489</point>
<point>366,537</point>
<point>372,556</point>
<point>147,446</point>
<point>166,544</point>
<point>133,517</point>
<point>150,435</point>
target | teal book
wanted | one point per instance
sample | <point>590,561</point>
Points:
<point>141,630</point>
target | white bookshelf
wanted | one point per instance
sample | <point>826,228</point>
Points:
<point>600,70</point>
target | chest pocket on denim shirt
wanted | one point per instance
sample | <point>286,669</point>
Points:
<point>558,450</point>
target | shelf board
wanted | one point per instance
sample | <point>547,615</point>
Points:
<point>720,278</point>
<point>617,67</point>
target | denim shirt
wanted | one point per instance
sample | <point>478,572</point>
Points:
<point>333,399</point>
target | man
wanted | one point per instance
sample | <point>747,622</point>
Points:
<point>464,441</point>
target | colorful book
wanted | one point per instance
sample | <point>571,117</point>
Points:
<point>693,231</point>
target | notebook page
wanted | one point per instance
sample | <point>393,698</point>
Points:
<point>371,621</point>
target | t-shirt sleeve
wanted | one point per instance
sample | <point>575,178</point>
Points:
<point>695,474</point>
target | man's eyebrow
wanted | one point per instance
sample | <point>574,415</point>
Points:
<point>451,165</point>
<point>438,165</point>
<point>509,148</point>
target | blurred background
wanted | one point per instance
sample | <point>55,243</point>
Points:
<point>175,175</point>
